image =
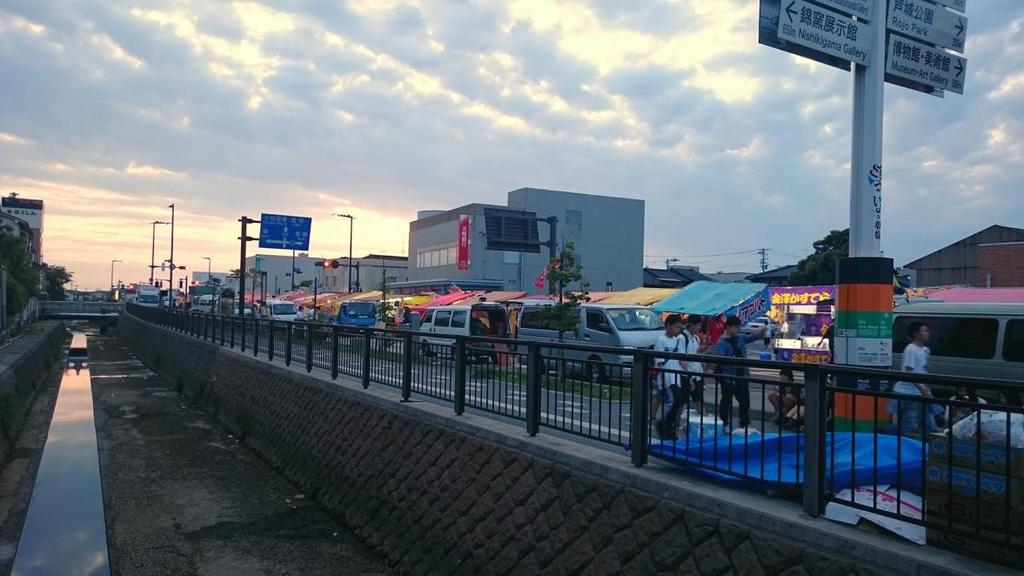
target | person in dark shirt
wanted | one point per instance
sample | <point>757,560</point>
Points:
<point>734,379</point>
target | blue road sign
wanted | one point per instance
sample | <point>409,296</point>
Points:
<point>284,232</point>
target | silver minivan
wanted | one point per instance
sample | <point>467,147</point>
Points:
<point>981,340</point>
<point>613,325</point>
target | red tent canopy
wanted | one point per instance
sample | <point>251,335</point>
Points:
<point>446,300</point>
<point>998,295</point>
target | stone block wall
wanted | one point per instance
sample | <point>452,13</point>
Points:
<point>25,364</point>
<point>434,499</point>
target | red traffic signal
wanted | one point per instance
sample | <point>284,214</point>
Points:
<point>320,263</point>
<point>335,264</point>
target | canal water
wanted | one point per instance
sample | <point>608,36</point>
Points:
<point>65,528</point>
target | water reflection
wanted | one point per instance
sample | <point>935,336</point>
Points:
<point>65,530</point>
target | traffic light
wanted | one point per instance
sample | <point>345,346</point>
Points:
<point>335,264</point>
<point>181,283</point>
<point>320,263</point>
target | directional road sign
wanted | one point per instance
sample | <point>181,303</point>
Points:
<point>928,22</point>
<point>858,8</point>
<point>825,31</point>
<point>284,232</point>
<point>958,5</point>
<point>932,66</point>
<point>770,17</point>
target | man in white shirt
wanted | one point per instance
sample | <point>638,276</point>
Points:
<point>667,384</point>
<point>912,414</point>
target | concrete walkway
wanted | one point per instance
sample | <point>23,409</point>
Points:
<point>184,497</point>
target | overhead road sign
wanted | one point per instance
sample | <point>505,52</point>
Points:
<point>284,232</point>
<point>825,31</point>
<point>769,20</point>
<point>859,8</point>
<point>921,63</point>
<point>928,22</point>
<point>958,5</point>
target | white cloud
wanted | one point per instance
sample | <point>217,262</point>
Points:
<point>391,106</point>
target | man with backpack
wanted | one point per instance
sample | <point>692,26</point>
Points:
<point>734,379</point>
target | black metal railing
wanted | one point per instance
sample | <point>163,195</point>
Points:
<point>828,435</point>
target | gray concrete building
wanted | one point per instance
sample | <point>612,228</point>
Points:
<point>368,271</point>
<point>608,233</point>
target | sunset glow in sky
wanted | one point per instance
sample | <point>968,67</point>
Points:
<point>110,111</point>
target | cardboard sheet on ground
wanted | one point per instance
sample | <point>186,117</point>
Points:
<point>779,459</point>
<point>882,498</point>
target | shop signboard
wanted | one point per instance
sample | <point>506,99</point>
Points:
<point>462,256</point>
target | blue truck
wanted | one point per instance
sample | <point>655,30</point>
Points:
<point>360,314</point>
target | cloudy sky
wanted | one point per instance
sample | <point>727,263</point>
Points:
<point>109,111</point>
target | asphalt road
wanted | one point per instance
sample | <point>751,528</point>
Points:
<point>592,410</point>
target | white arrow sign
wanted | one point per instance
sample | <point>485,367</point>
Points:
<point>825,31</point>
<point>928,22</point>
<point>924,64</point>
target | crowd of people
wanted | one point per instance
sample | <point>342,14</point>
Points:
<point>679,385</point>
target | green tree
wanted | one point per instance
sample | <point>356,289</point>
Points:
<point>306,284</point>
<point>562,273</point>
<point>820,267</point>
<point>56,278</point>
<point>22,275</point>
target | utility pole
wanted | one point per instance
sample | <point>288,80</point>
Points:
<point>244,238</point>
<point>170,279</point>
<point>293,270</point>
<point>764,259</point>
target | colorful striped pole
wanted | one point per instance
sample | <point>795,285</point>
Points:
<point>863,337</point>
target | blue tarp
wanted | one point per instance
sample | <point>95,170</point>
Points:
<point>856,462</point>
<point>746,300</point>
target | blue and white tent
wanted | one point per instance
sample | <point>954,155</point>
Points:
<point>745,300</point>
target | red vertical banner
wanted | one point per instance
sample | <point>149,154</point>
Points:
<point>462,258</point>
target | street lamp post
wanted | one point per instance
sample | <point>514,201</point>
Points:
<point>170,279</point>
<point>112,276</point>
<point>209,282</point>
<point>152,251</point>
<point>351,224</point>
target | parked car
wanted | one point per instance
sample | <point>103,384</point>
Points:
<point>279,310</point>
<point>440,325</point>
<point>757,326</point>
<point>983,340</point>
<point>613,325</point>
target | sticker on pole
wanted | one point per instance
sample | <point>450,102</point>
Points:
<point>284,232</point>
<point>825,31</point>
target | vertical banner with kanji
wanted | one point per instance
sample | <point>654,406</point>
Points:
<point>462,257</point>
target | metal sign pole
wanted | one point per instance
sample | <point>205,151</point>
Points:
<point>866,149</point>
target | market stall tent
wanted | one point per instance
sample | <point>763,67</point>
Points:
<point>745,300</point>
<point>639,296</point>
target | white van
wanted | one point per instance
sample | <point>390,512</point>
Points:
<point>982,340</point>
<point>440,324</point>
<point>279,310</point>
<point>613,325</point>
<point>148,296</point>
